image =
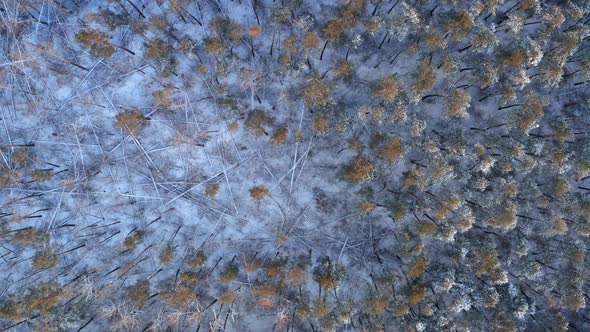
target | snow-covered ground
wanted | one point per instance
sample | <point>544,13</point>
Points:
<point>294,165</point>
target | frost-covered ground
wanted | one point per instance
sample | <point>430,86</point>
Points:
<point>294,165</point>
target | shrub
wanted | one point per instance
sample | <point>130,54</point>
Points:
<point>157,49</point>
<point>40,175</point>
<point>365,207</point>
<point>214,45</point>
<point>459,24</point>
<point>320,124</point>
<point>343,69</point>
<point>426,228</point>
<point>21,156</point>
<point>255,31</point>
<point>487,263</point>
<point>296,275</point>
<point>418,267</point>
<point>377,305</point>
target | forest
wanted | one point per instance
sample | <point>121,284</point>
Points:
<point>295,165</point>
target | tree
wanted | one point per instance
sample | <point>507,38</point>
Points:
<point>97,42</point>
<point>196,258</point>
<point>167,254</point>
<point>505,218</point>
<point>458,102</point>
<point>333,31</point>
<point>258,193</point>
<point>45,258</point>
<point>229,273</point>
<point>459,24</point>
<point>359,170</point>
<point>132,121</point>
<point>139,293</point>
<point>327,274</point>
<point>256,121</point>
<point>317,94</point>
<point>132,241</point>
<point>280,136</point>
<point>388,89</point>
<point>425,79</point>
